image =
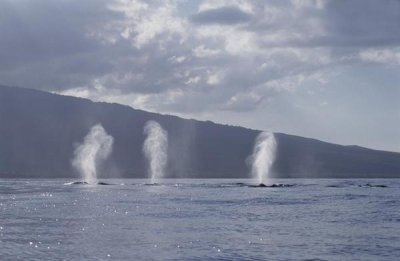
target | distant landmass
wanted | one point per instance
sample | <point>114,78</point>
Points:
<point>39,132</point>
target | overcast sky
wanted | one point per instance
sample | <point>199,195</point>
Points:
<point>323,69</point>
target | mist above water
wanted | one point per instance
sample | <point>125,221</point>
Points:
<point>155,149</point>
<point>263,156</point>
<point>96,147</point>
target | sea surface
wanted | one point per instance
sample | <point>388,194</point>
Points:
<point>315,219</point>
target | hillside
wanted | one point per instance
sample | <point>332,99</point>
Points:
<point>39,131</point>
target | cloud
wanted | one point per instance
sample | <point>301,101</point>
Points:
<point>227,15</point>
<point>191,56</point>
<point>362,23</point>
<point>383,56</point>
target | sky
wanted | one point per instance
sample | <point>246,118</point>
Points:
<point>326,69</point>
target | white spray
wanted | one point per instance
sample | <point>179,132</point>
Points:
<point>263,156</point>
<point>96,147</point>
<point>155,149</point>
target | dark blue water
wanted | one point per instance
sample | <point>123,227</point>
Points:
<point>200,220</point>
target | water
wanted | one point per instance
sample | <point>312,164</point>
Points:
<point>199,220</point>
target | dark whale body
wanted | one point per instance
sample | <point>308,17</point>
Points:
<point>78,183</point>
<point>103,183</point>
<point>262,185</point>
<point>368,185</point>
<point>86,183</point>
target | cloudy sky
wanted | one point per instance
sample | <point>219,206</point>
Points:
<point>323,69</point>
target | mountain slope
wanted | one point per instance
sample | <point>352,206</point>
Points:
<point>39,131</point>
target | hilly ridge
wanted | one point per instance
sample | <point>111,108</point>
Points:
<point>39,131</point>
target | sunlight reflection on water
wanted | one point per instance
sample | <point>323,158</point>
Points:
<point>200,219</point>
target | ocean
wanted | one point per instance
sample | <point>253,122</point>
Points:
<point>207,219</point>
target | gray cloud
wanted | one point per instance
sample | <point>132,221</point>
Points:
<point>224,15</point>
<point>330,23</point>
<point>148,47</point>
<point>44,44</point>
<point>361,23</point>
